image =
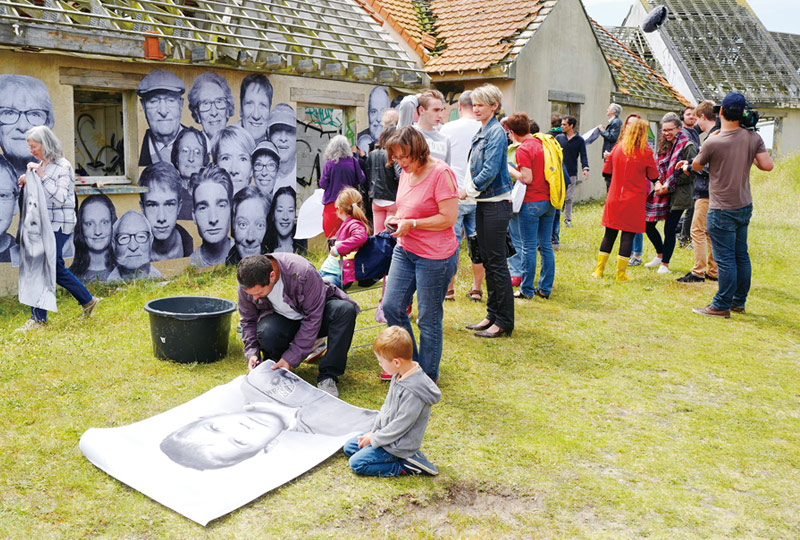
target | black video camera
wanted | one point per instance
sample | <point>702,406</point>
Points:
<point>749,118</point>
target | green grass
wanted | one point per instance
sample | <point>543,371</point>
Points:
<point>613,412</point>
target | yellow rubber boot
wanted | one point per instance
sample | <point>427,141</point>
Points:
<point>602,259</point>
<point>622,265</point>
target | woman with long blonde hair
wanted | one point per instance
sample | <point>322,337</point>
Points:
<point>631,166</point>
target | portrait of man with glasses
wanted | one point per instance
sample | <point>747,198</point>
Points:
<point>211,103</point>
<point>132,239</point>
<point>9,249</point>
<point>161,96</point>
<point>24,103</point>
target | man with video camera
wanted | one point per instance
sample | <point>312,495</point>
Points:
<point>729,156</point>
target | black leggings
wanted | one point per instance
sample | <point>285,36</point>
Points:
<point>625,242</point>
<point>670,226</point>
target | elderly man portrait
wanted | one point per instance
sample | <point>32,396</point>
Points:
<point>9,249</point>
<point>24,103</point>
<point>161,95</point>
<point>161,205</point>
<point>378,103</point>
<point>132,239</point>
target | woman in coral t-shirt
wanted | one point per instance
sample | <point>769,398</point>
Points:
<point>632,168</point>
<point>536,214</point>
<point>424,259</point>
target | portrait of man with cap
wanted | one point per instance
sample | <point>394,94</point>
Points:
<point>282,131</point>
<point>161,95</point>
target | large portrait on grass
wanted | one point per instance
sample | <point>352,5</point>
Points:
<point>234,443</point>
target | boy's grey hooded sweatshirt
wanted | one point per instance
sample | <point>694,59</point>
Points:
<point>404,415</point>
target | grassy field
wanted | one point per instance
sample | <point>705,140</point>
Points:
<point>614,412</point>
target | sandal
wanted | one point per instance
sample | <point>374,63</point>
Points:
<point>475,295</point>
<point>451,295</point>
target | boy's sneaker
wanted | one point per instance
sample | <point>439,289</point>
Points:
<point>635,261</point>
<point>320,347</point>
<point>418,464</point>
<point>88,308</point>
<point>30,324</point>
<point>329,386</point>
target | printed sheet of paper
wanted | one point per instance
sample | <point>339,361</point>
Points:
<point>229,446</point>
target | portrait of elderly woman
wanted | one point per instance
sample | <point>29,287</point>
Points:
<point>232,151</point>
<point>281,223</point>
<point>211,103</point>
<point>189,155</point>
<point>161,205</point>
<point>24,103</point>
<point>161,95</point>
<point>94,259</point>
<point>283,134</point>
<point>255,96</point>
<point>248,224</point>
<point>9,250</point>
<point>132,241</point>
<point>212,193</point>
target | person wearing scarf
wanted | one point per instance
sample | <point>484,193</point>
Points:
<point>672,194</point>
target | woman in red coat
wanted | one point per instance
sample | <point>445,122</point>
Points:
<point>631,165</point>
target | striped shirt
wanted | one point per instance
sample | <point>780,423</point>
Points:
<point>59,188</point>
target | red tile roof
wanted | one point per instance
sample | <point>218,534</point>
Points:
<point>469,34</point>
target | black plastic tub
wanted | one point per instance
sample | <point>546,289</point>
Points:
<point>190,328</point>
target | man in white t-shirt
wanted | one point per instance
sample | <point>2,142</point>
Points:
<point>461,132</point>
<point>429,107</point>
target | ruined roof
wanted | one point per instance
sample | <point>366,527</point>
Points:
<point>304,36</point>
<point>725,47</point>
<point>637,83</point>
<point>465,35</point>
<point>790,45</point>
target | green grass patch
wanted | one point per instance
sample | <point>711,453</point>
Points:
<point>614,411</point>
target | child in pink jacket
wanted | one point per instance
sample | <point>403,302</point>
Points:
<point>351,236</point>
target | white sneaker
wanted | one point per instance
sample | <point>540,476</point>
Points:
<point>663,269</point>
<point>30,324</point>
<point>329,386</point>
<point>652,264</point>
<point>320,348</point>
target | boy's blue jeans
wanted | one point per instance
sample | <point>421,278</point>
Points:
<point>371,461</point>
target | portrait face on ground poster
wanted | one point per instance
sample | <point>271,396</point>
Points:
<point>230,445</point>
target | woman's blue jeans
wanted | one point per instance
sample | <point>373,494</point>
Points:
<point>638,244</point>
<point>429,278</point>
<point>65,278</point>
<point>371,461</point>
<point>536,226</point>
<point>515,265</point>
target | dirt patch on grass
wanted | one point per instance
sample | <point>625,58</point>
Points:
<point>462,510</point>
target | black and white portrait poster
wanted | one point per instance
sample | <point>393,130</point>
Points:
<point>227,447</point>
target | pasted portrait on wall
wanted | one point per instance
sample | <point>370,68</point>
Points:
<point>378,103</point>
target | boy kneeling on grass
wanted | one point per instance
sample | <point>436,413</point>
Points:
<point>392,447</point>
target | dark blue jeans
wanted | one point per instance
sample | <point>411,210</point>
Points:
<point>728,232</point>
<point>536,226</point>
<point>65,278</point>
<point>371,461</point>
<point>429,278</point>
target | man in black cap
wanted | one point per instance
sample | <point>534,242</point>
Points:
<point>729,156</point>
<point>161,95</point>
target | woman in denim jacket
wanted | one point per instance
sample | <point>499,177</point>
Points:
<point>492,182</point>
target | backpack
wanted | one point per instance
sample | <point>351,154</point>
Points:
<point>373,259</point>
<point>553,172</point>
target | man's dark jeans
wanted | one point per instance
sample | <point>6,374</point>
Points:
<point>728,232</point>
<point>276,332</point>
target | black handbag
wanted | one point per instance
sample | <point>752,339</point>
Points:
<point>474,251</point>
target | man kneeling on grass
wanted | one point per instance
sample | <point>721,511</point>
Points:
<point>392,447</point>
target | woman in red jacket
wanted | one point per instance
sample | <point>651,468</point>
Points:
<point>631,165</point>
